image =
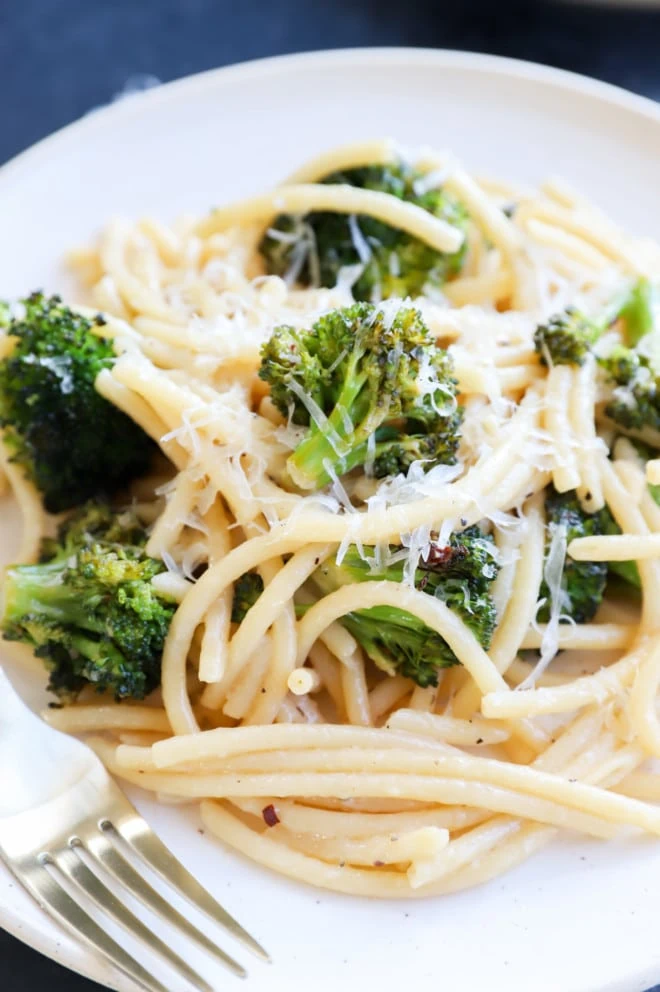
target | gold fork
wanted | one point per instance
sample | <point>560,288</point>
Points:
<point>66,830</point>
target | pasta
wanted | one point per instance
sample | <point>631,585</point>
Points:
<point>307,750</point>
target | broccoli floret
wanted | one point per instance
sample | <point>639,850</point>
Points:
<point>312,249</point>
<point>635,401</point>
<point>88,608</point>
<point>247,591</point>
<point>583,582</point>
<point>89,524</point>
<point>69,440</point>
<point>371,387</point>
<point>459,573</point>
<point>566,339</point>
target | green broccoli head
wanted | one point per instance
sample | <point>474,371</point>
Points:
<point>566,339</point>
<point>88,608</point>
<point>90,523</point>
<point>470,556</point>
<point>634,403</point>
<point>583,582</point>
<point>69,440</point>
<point>247,591</point>
<point>396,450</point>
<point>399,644</point>
<point>312,249</point>
<point>372,388</point>
<point>459,573</point>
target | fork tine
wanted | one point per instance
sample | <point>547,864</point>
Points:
<point>50,895</point>
<point>117,865</point>
<point>71,865</point>
<point>137,833</point>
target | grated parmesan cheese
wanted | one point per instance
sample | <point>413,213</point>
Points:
<point>553,571</point>
<point>360,243</point>
<point>316,413</point>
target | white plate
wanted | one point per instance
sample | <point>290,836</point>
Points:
<point>580,917</point>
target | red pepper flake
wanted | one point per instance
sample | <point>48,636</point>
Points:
<point>378,864</point>
<point>271,819</point>
<point>441,557</point>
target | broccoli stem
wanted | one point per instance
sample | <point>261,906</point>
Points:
<point>628,571</point>
<point>42,589</point>
<point>634,307</point>
<point>637,312</point>
<point>309,463</point>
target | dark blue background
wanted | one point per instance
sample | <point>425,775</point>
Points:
<point>60,58</point>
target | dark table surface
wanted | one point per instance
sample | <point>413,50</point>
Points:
<point>60,58</point>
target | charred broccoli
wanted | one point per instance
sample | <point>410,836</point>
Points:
<point>460,574</point>
<point>88,608</point>
<point>582,582</point>
<point>634,404</point>
<point>247,591</point>
<point>69,440</point>
<point>568,337</point>
<point>372,388</point>
<point>312,249</point>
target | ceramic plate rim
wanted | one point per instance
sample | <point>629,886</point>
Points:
<point>138,103</point>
